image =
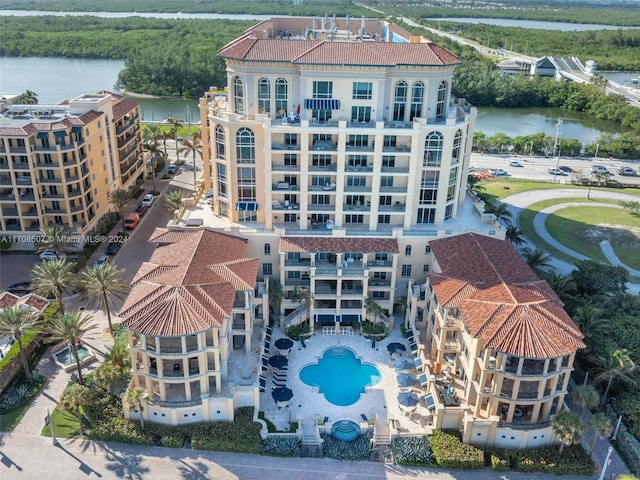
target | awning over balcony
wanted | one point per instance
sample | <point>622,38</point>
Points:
<point>247,206</point>
<point>325,318</point>
<point>76,129</point>
<point>349,318</point>
<point>60,134</point>
<point>321,104</point>
<point>43,135</point>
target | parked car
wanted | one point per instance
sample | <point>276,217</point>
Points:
<point>113,248</point>
<point>21,288</point>
<point>102,260</point>
<point>557,171</point>
<point>141,210</point>
<point>498,172</point>
<point>51,255</point>
<point>564,168</point>
<point>171,169</point>
<point>595,169</point>
<point>627,172</point>
<point>515,163</point>
<point>147,201</point>
<point>131,221</point>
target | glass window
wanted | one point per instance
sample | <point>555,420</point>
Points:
<point>222,180</point>
<point>362,90</point>
<point>457,144</point>
<point>246,184</point>
<point>388,161</point>
<point>385,200</point>
<point>267,249</point>
<point>238,95</point>
<point>282,97</point>
<point>267,269</point>
<point>320,200</point>
<point>320,180</point>
<point>399,101</point>
<point>425,269</point>
<point>245,146</point>
<point>426,215</point>
<point>389,141</point>
<point>220,142</point>
<point>384,218</point>
<point>357,161</point>
<point>264,95</point>
<point>451,189</point>
<point>322,89</point>
<point>448,212</point>
<point>433,150</point>
<point>407,250</point>
<point>321,160</point>
<point>356,181</point>
<point>417,95</point>
<point>361,114</point>
<point>386,181</point>
<point>358,140</point>
<point>354,219</point>
<point>442,101</point>
<point>406,270</point>
<point>291,159</point>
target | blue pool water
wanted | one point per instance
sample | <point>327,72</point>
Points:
<point>340,376</point>
<point>345,430</point>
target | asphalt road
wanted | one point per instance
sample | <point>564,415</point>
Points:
<point>535,168</point>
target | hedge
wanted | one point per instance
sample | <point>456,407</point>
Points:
<point>573,461</point>
<point>450,452</point>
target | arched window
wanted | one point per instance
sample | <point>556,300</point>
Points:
<point>282,97</point>
<point>220,143</point>
<point>264,95</point>
<point>442,101</point>
<point>417,96</point>
<point>245,146</point>
<point>399,101</point>
<point>433,150</point>
<point>407,250</point>
<point>238,95</point>
<point>457,144</point>
<point>267,249</point>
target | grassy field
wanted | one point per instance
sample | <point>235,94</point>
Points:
<point>65,425</point>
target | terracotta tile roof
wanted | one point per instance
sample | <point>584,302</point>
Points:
<point>320,244</point>
<point>301,52</point>
<point>36,302</point>
<point>501,300</point>
<point>189,284</point>
<point>122,107</point>
<point>8,300</point>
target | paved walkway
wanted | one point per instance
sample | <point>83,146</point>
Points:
<point>520,201</point>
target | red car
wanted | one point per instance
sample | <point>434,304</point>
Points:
<point>141,210</point>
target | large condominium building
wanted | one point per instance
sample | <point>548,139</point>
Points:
<point>336,131</point>
<point>59,162</point>
<point>498,347</point>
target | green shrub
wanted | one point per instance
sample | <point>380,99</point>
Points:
<point>285,446</point>
<point>498,458</point>
<point>369,328</point>
<point>412,451</point>
<point>241,436</point>
<point>297,331</point>
<point>450,452</point>
<point>573,461</point>
<point>358,449</point>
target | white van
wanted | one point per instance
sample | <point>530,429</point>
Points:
<point>595,169</point>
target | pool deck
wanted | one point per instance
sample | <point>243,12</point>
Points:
<point>379,402</point>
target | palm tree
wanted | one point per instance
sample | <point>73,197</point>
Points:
<point>616,365</point>
<point>569,427</point>
<point>601,426</point>
<point>52,276</point>
<point>152,147</point>
<point>564,286</point>
<point>119,198</point>
<point>101,283</point>
<point>585,396</point>
<point>276,294</point>
<point>165,135</point>
<point>134,398</point>
<point>16,322</point>
<point>68,329</point>
<point>176,125</point>
<point>192,147</point>
<point>514,235</point>
<point>588,319</point>
<point>107,376</point>
<point>372,307</point>
<point>28,97</point>
<point>501,212</point>
<point>74,398</point>
<point>56,238</point>
<point>304,298</point>
<point>173,200</point>
<point>536,258</point>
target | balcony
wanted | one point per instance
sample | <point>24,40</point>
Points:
<point>357,208</point>
<point>284,168</point>
<point>317,207</point>
<point>284,146</point>
<point>20,165</point>
<point>279,186</point>
<point>300,262</point>
<point>380,264</point>
<point>54,211</point>
<point>9,212</point>
<point>403,170</point>
<point>359,148</point>
<point>323,168</point>
<point>50,180</point>
<point>379,283</point>
<point>359,168</point>
<point>398,124</point>
<point>353,188</point>
<point>393,189</point>
<point>396,148</point>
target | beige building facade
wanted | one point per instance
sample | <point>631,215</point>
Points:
<point>59,162</point>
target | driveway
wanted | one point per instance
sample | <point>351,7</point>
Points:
<point>16,268</point>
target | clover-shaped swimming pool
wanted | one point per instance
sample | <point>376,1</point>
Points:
<point>340,376</point>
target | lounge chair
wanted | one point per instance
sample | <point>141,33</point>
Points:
<point>325,420</point>
<point>424,381</point>
<point>364,417</point>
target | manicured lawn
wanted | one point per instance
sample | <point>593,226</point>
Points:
<point>65,425</point>
<point>570,227</point>
<point>8,421</point>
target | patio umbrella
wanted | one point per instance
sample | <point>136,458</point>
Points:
<point>396,347</point>
<point>404,364</point>
<point>284,343</point>
<point>278,361</point>
<point>282,394</point>
<point>406,380</point>
<point>408,399</point>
